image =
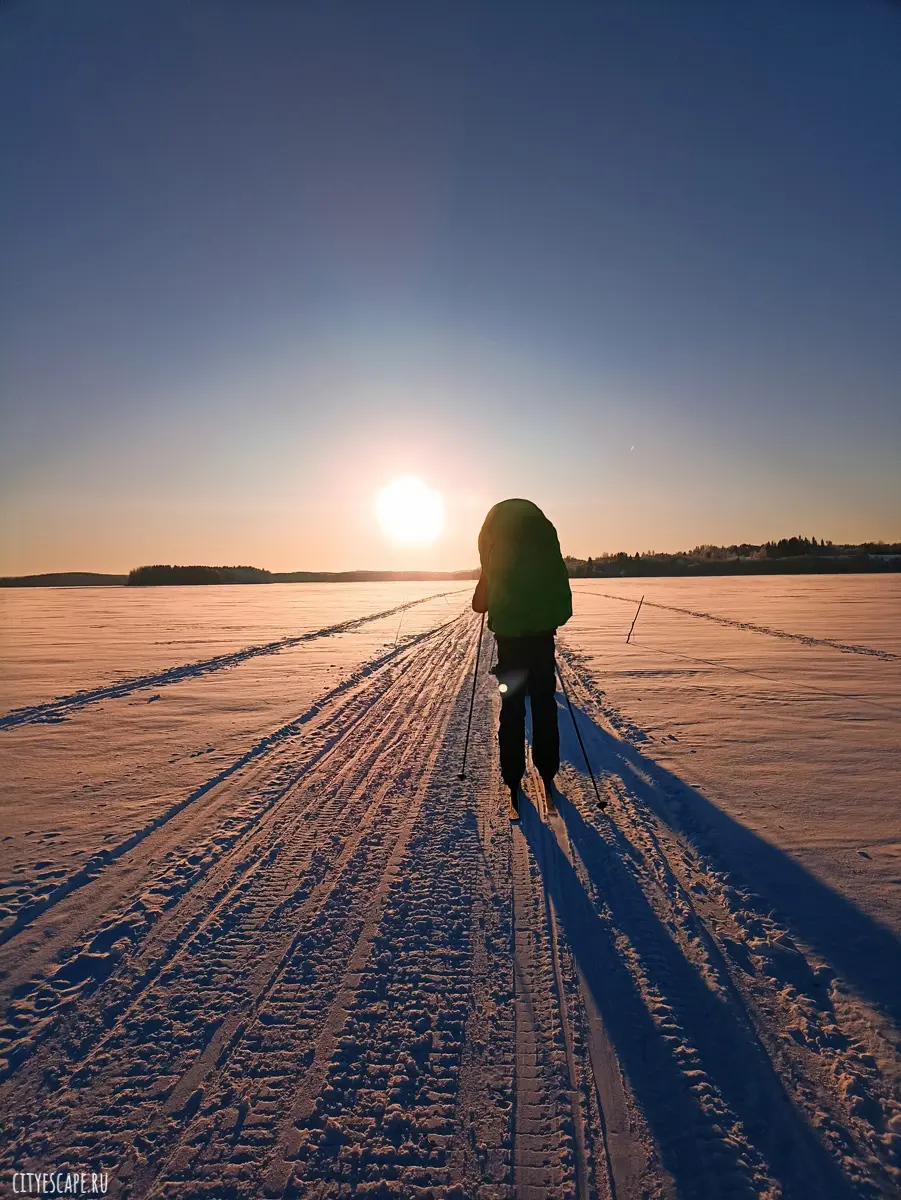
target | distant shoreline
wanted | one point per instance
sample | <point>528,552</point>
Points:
<point>95,579</point>
<point>613,567</point>
<point>64,579</point>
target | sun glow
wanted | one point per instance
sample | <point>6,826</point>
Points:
<point>409,512</point>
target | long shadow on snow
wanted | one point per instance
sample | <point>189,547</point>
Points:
<point>726,1047</point>
<point>866,953</point>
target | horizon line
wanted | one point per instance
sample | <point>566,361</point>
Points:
<point>438,573</point>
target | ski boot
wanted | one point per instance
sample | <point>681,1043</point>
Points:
<point>550,806</point>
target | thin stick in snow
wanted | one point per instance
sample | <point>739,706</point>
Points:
<point>634,619</point>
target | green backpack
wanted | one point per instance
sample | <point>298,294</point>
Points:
<point>528,585</point>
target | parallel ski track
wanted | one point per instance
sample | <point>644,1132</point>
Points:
<point>232,850</point>
<point>326,958</point>
<point>481,1156</point>
<point>549,1135</point>
<point>60,706</point>
<point>577,1132</point>
<point>284,854</point>
<point>604,1107</point>
<point>101,861</point>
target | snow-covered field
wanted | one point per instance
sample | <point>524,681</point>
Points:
<point>258,938</point>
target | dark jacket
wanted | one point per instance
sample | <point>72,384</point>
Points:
<point>524,585</point>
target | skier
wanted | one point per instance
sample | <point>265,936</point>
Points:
<point>524,588</point>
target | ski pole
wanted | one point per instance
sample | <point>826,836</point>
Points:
<point>601,801</point>
<point>472,698</point>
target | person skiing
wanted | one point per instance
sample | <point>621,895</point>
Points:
<point>524,588</point>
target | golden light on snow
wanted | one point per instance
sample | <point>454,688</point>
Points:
<point>409,512</point>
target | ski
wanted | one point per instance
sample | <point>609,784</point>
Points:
<point>550,808</point>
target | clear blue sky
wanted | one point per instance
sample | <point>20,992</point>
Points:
<point>639,262</point>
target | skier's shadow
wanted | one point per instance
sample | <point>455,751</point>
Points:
<point>726,1048</point>
<point>865,953</point>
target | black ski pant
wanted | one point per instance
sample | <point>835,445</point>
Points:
<point>526,667</point>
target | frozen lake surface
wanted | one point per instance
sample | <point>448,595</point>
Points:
<point>245,894</point>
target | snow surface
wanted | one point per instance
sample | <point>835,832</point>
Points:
<point>258,938</point>
<point>791,737</point>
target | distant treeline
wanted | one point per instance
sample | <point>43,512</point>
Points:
<point>64,579</point>
<point>788,556</point>
<point>161,575</point>
<point>158,575</point>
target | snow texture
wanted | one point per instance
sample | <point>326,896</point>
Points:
<point>258,938</point>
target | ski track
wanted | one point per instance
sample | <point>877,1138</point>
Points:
<point>343,972</point>
<point>747,626</point>
<point>53,711</point>
<point>99,861</point>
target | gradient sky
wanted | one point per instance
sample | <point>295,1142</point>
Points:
<point>638,262</point>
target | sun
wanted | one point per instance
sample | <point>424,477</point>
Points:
<point>409,512</point>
